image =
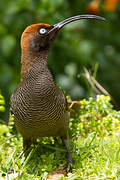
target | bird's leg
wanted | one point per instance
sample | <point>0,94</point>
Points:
<point>69,158</point>
<point>23,151</point>
<point>26,145</point>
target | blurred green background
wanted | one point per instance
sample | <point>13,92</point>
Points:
<point>80,44</point>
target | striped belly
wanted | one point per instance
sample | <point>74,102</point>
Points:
<point>38,115</point>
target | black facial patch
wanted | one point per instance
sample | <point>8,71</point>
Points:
<point>34,46</point>
<point>38,43</point>
<point>42,42</point>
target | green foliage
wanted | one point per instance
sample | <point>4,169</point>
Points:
<point>94,142</point>
<point>2,103</point>
<point>79,44</point>
<point>95,116</point>
<point>2,110</point>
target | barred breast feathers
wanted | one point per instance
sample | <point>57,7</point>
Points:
<point>38,93</point>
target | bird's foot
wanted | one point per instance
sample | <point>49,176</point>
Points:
<point>11,170</point>
<point>68,167</point>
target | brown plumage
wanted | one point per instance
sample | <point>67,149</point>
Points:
<point>39,106</point>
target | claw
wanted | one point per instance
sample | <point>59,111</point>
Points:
<point>11,170</point>
<point>68,167</point>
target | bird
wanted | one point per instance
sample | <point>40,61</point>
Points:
<point>39,106</point>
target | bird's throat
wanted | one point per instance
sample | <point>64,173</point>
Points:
<point>28,58</point>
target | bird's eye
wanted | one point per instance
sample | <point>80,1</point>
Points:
<point>42,31</point>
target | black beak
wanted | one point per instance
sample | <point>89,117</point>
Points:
<point>59,25</point>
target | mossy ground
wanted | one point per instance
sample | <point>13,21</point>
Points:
<point>94,142</point>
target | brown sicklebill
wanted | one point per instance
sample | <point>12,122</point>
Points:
<point>39,106</point>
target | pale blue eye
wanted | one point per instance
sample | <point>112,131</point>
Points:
<point>42,31</point>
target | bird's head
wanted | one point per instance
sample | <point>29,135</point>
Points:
<point>39,37</point>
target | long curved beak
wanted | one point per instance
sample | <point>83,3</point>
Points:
<point>60,24</point>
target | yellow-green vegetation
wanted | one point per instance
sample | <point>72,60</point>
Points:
<point>2,103</point>
<point>3,128</point>
<point>94,142</point>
